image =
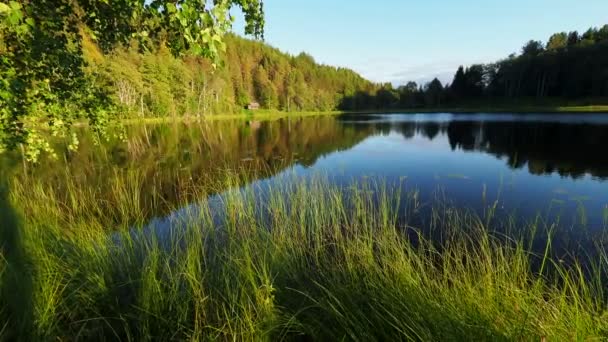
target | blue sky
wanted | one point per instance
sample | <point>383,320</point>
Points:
<point>400,40</point>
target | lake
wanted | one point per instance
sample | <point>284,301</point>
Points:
<point>529,163</point>
<point>553,167</point>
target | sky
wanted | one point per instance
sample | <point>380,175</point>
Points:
<point>401,40</point>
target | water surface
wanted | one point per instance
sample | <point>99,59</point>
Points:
<point>555,166</point>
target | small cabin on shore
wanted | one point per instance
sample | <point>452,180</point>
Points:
<point>253,106</point>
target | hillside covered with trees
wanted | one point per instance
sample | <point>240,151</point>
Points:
<point>571,68</point>
<point>156,83</point>
<point>46,81</point>
<point>67,61</point>
<point>95,61</point>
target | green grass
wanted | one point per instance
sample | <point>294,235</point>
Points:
<point>262,115</point>
<point>322,263</point>
<point>266,114</point>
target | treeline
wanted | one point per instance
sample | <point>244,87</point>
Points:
<point>569,68</point>
<point>153,81</point>
<point>156,83</point>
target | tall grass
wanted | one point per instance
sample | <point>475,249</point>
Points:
<point>302,261</point>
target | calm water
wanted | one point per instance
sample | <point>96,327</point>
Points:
<point>555,165</point>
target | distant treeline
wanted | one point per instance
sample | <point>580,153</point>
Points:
<point>155,83</point>
<point>569,68</point>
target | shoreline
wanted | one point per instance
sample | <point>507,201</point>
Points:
<point>597,109</point>
<point>269,115</point>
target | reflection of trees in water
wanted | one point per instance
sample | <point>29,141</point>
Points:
<point>431,130</point>
<point>267,144</point>
<point>571,150</point>
<point>175,162</point>
<point>170,160</point>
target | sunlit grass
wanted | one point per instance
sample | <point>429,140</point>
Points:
<point>305,259</point>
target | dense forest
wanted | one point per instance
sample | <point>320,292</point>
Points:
<point>156,83</point>
<point>46,81</point>
<point>569,68</point>
<point>92,61</point>
<point>63,62</point>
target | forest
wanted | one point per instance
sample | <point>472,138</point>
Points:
<point>157,83</point>
<point>142,199</point>
<point>66,64</point>
<point>570,68</point>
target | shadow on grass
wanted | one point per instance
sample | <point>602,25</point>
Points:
<point>16,284</point>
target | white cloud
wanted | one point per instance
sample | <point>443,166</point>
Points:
<point>399,72</point>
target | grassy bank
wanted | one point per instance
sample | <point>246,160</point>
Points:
<point>266,115</point>
<point>262,114</point>
<point>310,261</point>
<point>274,114</point>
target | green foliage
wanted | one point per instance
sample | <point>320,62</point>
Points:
<point>434,93</point>
<point>266,92</point>
<point>42,84</point>
<point>532,48</point>
<point>558,41</point>
<point>44,80</point>
<point>157,83</point>
<point>571,67</point>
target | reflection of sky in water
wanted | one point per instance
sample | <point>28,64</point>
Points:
<point>395,153</point>
<point>597,119</point>
<point>463,174</point>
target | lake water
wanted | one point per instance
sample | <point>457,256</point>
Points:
<point>552,165</point>
<point>555,165</point>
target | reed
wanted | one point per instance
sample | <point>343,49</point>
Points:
<point>297,261</point>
